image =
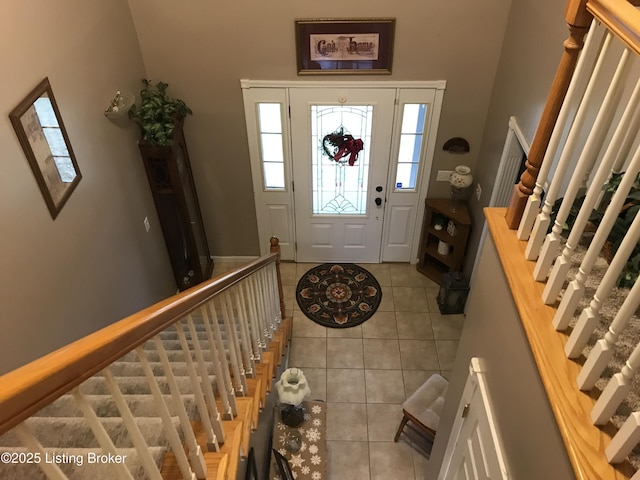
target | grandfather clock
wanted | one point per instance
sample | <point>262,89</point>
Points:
<point>174,193</point>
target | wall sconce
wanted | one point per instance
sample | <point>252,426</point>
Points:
<point>120,105</point>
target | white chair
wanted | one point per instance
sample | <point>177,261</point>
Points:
<point>424,406</point>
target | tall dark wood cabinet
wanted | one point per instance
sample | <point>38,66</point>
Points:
<point>174,193</point>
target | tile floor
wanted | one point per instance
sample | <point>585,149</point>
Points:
<point>366,372</point>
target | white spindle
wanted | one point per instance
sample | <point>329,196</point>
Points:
<point>615,150</point>
<point>616,390</point>
<point>543,219</point>
<point>264,294</point>
<point>199,469</point>
<point>585,163</point>
<point>589,317</point>
<point>212,319</point>
<point>243,323</point>
<point>584,65</point>
<point>232,345</point>
<point>103,438</point>
<point>261,314</point>
<point>129,421</point>
<point>604,348</point>
<point>203,398</point>
<point>625,440</point>
<point>189,437</point>
<point>51,470</point>
<point>256,332</point>
<point>275,293</point>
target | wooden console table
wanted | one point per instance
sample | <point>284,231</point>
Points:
<point>310,462</point>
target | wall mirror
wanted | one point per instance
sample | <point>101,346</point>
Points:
<point>45,142</point>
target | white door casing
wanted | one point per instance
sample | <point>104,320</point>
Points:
<point>276,210</point>
<point>474,450</point>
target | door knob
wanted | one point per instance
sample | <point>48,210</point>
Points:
<point>378,201</point>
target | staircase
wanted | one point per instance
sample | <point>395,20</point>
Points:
<point>178,402</point>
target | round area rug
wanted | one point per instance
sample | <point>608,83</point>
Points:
<point>338,295</point>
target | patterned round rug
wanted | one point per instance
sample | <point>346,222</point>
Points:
<point>338,295</point>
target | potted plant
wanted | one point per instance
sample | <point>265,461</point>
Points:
<point>158,113</point>
<point>620,228</point>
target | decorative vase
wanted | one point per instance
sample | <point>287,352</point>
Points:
<point>460,180</point>
<point>451,228</point>
<point>443,248</point>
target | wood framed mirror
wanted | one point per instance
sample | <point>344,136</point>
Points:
<point>45,143</point>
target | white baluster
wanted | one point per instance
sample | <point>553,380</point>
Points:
<point>260,314</point>
<point>129,421</point>
<point>604,348</point>
<point>616,390</point>
<point>589,317</point>
<point>216,420</point>
<point>103,438</point>
<point>543,219</point>
<point>625,440</point>
<point>212,320</point>
<point>592,44</point>
<point>232,345</point>
<point>189,437</point>
<point>51,470</point>
<point>247,345</point>
<point>256,333</point>
<point>612,153</point>
<point>264,295</point>
<point>197,384</point>
<point>172,433</point>
<point>585,163</point>
<point>275,294</point>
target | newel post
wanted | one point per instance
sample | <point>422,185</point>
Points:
<point>275,248</point>
<point>578,20</point>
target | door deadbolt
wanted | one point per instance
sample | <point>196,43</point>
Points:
<point>378,188</point>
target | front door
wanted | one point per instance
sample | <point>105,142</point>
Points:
<point>339,203</point>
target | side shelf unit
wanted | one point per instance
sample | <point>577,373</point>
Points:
<point>431,261</point>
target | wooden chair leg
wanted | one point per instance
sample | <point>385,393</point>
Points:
<point>404,421</point>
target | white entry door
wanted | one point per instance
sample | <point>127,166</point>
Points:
<point>340,206</point>
<point>322,210</point>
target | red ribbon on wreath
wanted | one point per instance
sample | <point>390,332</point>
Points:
<point>344,145</point>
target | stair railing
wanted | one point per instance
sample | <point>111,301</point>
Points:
<point>596,135</point>
<point>246,301</point>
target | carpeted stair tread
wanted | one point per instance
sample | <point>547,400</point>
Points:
<point>65,432</point>
<point>134,369</point>
<point>136,385</point>
<point>97,471</point>
<point>104,406</point>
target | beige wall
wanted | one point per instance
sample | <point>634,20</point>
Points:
<point>533,447</point>
<point>203,49</point>
<point>530,54</point>
<point>95,263</point>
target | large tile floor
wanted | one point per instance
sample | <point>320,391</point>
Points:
<point>366,372</point>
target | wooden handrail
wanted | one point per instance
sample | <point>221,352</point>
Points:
<point>31,387</point>
<point>621,18</point>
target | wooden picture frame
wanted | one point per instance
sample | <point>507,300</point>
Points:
<point>344,46</point>
<point>45,143</point>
